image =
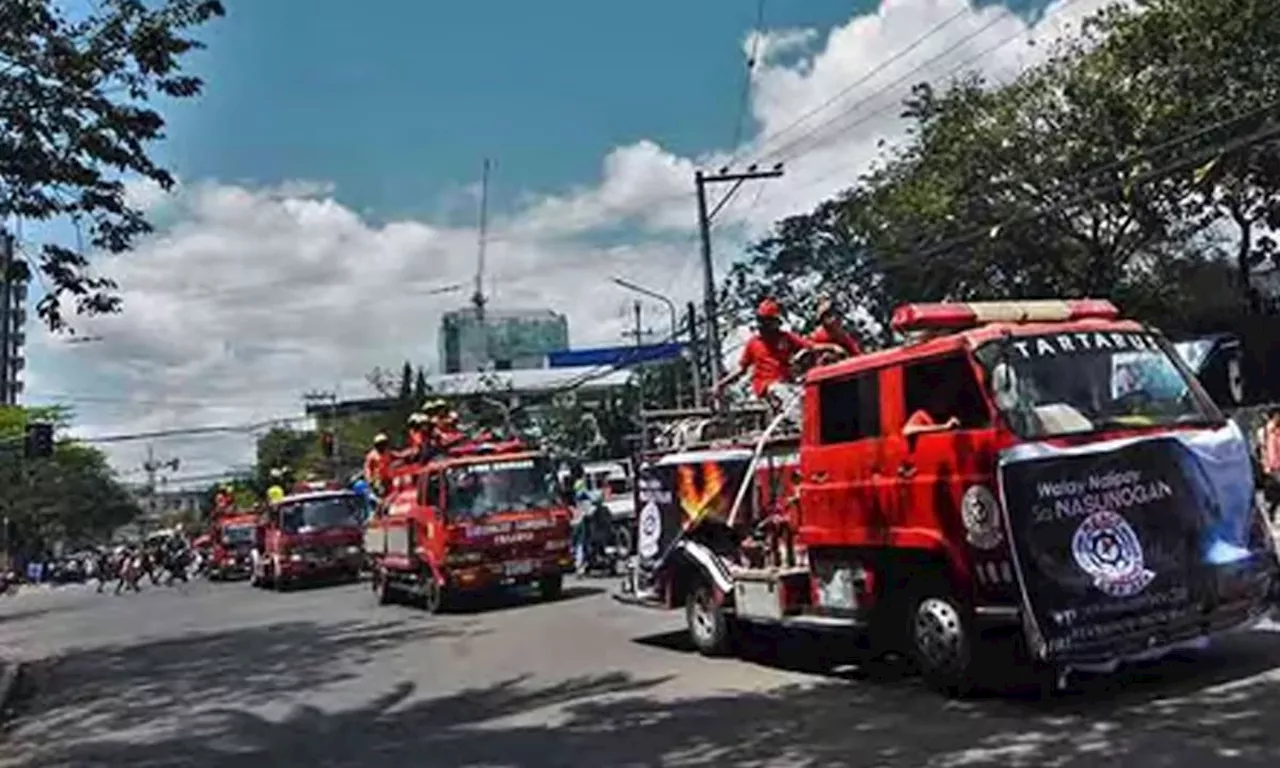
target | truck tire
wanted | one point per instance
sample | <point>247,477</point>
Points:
<point>942,644</point>
<point>382,587</point>
<point>710,627</point>
<point>622,538</point>
<point>433,594</point>
<point>551,588</point>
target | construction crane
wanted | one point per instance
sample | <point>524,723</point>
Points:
<point>478,298</point>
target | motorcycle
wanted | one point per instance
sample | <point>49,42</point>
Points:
<point>605,546</point>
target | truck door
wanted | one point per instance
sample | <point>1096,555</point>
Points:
<point>950,452</point>
<point>842,465</point>
<point>432,528</point>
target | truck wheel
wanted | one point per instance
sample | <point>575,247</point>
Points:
<point>432,597</point>
<point>709,627</point>
<point>382,587</point>
<point>551,587</point>
<point>622,539</point>
<point>941,644</point>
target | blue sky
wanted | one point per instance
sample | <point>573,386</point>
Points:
<point>596,113</point>
<point>398,108</point>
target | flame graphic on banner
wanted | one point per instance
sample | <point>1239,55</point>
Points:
<point>697,499</point>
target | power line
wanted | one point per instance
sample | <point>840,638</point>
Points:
<point>744,98</point>
<point>784,151</point>
<point>770,138</point>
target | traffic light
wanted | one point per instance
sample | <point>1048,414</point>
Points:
<point>39,440</point>
<point>327,443</point>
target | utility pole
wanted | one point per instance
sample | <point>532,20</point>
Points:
<point>701,180</point>
<point>152,466</point>
<point>695,366</point>
<point>6,325</point>
<point>318,398</point>
<point>639,332</point>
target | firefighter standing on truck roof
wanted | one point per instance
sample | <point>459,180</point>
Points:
<point>377,464</point>
<point>768,355</point>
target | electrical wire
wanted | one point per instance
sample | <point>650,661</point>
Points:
<point>768,139</point>
<point>785,151</point>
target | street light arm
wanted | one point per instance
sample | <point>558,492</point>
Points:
<point>671,306</point>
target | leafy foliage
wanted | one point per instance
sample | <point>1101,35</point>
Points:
<point>1108,171</point>
<point>76,116</point>
<point>72,496</point>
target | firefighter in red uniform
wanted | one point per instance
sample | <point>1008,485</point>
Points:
<point>768,355</point>
<point>831,330</point>
<point>377,464</point>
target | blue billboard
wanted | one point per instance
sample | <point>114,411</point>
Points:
<point>620,356</point>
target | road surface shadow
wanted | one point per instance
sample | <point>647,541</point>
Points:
<point>618,720</point>
<point>1237,656</point>
<point>100,690</point>
<point>508,599</point>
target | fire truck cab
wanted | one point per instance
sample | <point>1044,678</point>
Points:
<point>482,517</point>
<point>1038,471</point>
<point>232,537</point>
<point>307,536</point>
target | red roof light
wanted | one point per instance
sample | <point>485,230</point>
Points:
<point>958,315</point>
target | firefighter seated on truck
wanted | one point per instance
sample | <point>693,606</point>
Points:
<point>769,354</point>
<point>377,464</point>
<point>831,329</point>
<point>448,432</point>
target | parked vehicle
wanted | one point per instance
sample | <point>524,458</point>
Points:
<point>309,536</point>
<point>483,517</point>
<point>1037,471</point>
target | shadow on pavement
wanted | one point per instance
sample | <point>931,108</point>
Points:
<point>100,690</point>
<point>504,600</point>
<point>1197,715</point>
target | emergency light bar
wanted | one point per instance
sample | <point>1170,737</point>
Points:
<point>959,315</point>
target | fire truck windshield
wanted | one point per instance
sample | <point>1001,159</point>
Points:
<point>238,534</point>
<point>1081,382</point>
<point>325,512</point>
<point>479,490</point>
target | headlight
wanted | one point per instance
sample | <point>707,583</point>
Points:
<point>353,550</point>
<point>295,558</point>
<point>556,544</point>
<point>462,558</point>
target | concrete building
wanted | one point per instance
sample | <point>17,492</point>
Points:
<point>505,340</point>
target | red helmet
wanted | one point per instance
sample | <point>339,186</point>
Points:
<point>769,308</point>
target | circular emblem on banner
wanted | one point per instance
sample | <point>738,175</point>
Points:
<point>981,514</point>
<point>1107,548</point>
<point>1235,380</point>
<point>650,530</point>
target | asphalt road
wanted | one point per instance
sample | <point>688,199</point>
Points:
<point>223,675</point>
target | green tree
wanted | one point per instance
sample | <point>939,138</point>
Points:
<point>1194,63</point>
<point>297,452</point>
<point>76,118</point>
<point>420,388</point>
<point>1064,182</point>
<point>72,496</point>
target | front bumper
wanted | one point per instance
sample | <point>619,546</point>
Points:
<point>509,572</point>
<point>320,566</point>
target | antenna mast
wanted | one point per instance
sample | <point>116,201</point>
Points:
<point>478,299</point>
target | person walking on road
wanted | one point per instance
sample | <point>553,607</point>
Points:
<point>1269,458</point>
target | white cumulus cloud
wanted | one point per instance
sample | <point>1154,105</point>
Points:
<point>246,298</point>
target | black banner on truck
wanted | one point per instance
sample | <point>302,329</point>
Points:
<point>682,489</point>
<point>1126,545</point>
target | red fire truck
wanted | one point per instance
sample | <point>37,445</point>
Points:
<point>233,536</point>
<point>1042,472</point>
<point>311,534</point>
<point>481,517</point>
